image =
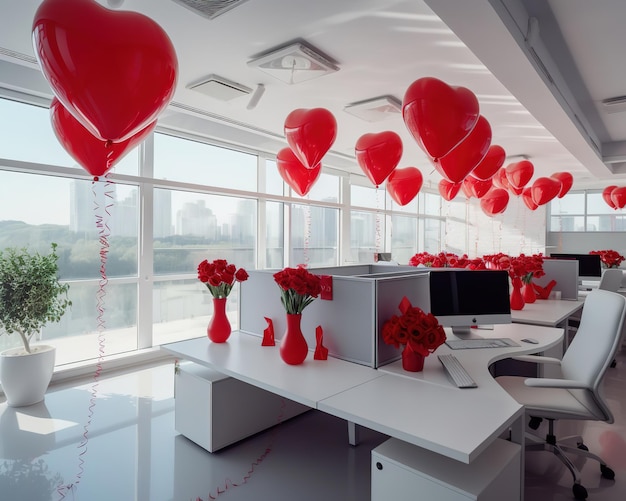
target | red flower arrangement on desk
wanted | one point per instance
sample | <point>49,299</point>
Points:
<point>521,267</point>
<point>610,258</point>
<point>298,288</point>
<point>219,276</point>
<point>420,333</point>
<point>446,260</point>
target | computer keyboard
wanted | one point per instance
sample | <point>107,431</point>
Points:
<point>462,344</point>
<point>456,371</point>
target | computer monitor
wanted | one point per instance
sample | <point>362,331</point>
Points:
<point>589,265</point>
<point>462,299</point>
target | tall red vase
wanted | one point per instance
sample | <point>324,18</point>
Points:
<point>517,299</point>
<point>412,361</point>
<point>219,329</point>
<point>529,294</point>
<point>293,346</point>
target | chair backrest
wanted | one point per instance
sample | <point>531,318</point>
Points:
<point>611,279</point>
<point>592,350</point>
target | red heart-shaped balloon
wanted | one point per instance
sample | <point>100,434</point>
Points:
<point>466,188</point>
<point>618,197</point>
<point>95,155</point>
<point>495,201</point>
<point>519,173</point>
<point>544,189</point>
<point>296,175</point>
<point>606,195</point>
<point>489,165</point>
<point>477,187</point>
<point>310,134</point>
<point>499,179</point>
<point>378,154</point>
<point>527,197</point>
<point>448,190</point>
<point>456,165</point>
<point>437,115</point>
<point>114,71</point>
<point>404,184</point>
<point>566,179</point>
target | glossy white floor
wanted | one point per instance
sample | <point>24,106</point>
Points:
<point>132,451</point>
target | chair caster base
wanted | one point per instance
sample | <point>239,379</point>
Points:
<point>579,491</point>
<point>607,472</point>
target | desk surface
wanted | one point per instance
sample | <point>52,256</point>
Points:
<point>548,312</point>
<point>424,408</point>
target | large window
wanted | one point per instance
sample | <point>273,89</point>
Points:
<point>584,211</point>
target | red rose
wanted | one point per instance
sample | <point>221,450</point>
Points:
<point>241,275</point>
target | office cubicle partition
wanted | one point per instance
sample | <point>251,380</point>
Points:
<point>565,273</point>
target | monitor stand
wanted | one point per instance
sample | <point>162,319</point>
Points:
<point>465,332</point>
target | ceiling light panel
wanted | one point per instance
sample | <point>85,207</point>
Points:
<point>220,88</point>
<point>210,8</point>
<point>376,109</point>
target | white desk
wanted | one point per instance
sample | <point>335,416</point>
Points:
<point>548,312</point>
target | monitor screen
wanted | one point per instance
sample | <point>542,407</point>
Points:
<point>589,265</point>
<point>462,299</point>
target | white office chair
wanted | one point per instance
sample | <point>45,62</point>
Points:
<point>578,395</point>
<point>611,279</point>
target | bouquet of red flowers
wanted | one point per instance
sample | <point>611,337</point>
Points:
<point>610,258</point>
<point>414,327</point>
<point>219,276</point>
<point>298,288</point>
<point>446,260</point>
<point>522,267</point>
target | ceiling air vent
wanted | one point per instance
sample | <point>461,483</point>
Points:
<point>210,8</point>
<point>614,104</point>
<point>220,88</point>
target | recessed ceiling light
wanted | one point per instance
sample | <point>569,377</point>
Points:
<point>294,63</point>
<point>220,88</point>
<point>376,109</point>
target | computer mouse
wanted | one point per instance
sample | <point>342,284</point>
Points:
<point>530,340</point>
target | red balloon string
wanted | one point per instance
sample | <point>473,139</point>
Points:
<point>307,234</point>
<point>102,215</point>
<point>378,222</point>
<point>228,483</point>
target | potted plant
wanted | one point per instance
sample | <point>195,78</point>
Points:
<point>30,297</point>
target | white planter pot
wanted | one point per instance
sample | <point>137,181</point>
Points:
<point>25,376</point>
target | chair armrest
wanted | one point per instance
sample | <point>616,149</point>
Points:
<point>537,359</point>
<point>555,383</point>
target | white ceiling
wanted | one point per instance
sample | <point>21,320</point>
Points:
<point>381,47</point>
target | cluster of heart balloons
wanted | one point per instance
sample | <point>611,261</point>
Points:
<point>310,133</point>
<point>112,74</point>
<point>615,196</point>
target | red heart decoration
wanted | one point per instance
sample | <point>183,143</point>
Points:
<point>527,197</point>
<point>495,201</point>
<point>489,165</point>
<point>515,191</point>
<point>618,197</point>
<point>467,189</point>
<point>95,155</point>
<point>114,71</point>
<point>448,190</point>
<point>566,179</point>
<point>606,195</point>
<point>544,189</point>
<point>404,184</point>
<point>499,179</point>
<point>477,187</point>
<point>310,134</point>
<point>456,165</point>
<point>519,173</point>
<point>295,174</point>
<point>378,154</point>
<point>437,115</point>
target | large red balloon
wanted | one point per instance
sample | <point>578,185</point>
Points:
<point>606,195</point>
<point>544,189</point>
<point>495,201</point>
<point>95,155</point>
<point>448,190</point>
<point>566,179</point>
<point>404,184</point>
<point>310,134</point>
<point>437,115</point>
<point>618,197</point>
<point>378,154</point>
<point>519,173</point>
<point>489,165</point>
<point>114,71</point>
<point>477,187</point>
<point>527,197</point>
<point>456,165</point>
<point>295,174</point>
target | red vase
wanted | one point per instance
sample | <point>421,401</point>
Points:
<point>293,347</point>
<point>517,299</point>
<point>528,293</point>
<point>412,361</point>
<point>219,326</point>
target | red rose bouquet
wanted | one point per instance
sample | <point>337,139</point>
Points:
<point>298,288</point>
<point>610,258</point>
<point>521,267</point>
<point>446,260</point>
<point>421,331</point>
<point>219,276</point>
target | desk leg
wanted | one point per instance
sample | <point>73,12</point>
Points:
<point>518,431</point>
<point>353,433</point>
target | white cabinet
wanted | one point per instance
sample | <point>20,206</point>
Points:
<point>404,472</point>
<point>214,410</point>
